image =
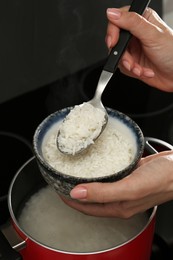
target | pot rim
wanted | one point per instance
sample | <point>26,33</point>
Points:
<point>27,236</point>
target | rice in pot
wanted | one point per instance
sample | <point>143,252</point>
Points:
<point>48,220</point>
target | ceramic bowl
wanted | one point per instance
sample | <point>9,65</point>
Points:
<point>64,183</point>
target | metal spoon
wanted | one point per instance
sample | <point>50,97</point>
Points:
<point>109,68</point>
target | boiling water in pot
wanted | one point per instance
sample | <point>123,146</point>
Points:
<point>51,222</point>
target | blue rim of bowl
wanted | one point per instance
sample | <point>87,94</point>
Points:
<point>53,119</point>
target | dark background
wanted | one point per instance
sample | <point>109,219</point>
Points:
<point>42,41</point>
<point>51,55</point>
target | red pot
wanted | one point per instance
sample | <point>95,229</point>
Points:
<point>27,180</point>
<point>137,248</point>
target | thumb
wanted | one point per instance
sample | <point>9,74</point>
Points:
<point>136,185</point>
<point>121,190</point>
<point>144,27</point>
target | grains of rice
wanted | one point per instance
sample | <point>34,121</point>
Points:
<point>80,127</point>
<point>113,151</point>
<point>47,219</point>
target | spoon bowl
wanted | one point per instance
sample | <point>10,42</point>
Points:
<point>88,121</point>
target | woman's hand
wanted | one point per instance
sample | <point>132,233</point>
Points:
<point>149,56</point>
<point>149,185</point>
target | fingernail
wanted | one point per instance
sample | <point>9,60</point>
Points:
<point>137,72</point>
<point>149,73</point>
<point>126,65</point>
<point>79,193</point>
<point>108,41</point>
<point>113,13</point>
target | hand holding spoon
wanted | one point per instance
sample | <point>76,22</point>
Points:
<point>76,133</point>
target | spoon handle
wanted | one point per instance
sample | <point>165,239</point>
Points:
<point>137,6</point>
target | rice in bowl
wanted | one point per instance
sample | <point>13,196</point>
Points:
<point>113,151</point>
<point>112,157</point>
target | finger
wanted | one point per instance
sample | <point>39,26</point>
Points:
<point>97,209</point>
<point>133,69</point>
<point>143,181</point>
<point>129,66</point>
<point>124,209</point>
<point>113,30</point>
<point>112,35</point>
<point>125,189</point>
<point>133,22</point>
